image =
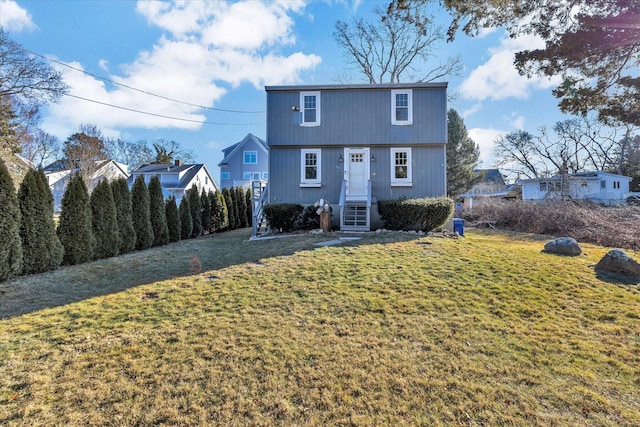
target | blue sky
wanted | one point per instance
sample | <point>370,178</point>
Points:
<point>221,54</point>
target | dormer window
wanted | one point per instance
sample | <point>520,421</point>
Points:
<point>401,107</point>
<point>310,108</point>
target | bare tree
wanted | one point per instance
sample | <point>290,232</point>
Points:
<point>393,49</point>
<point>133,154</point>
<point>41,148</point>
<point>83,150</point>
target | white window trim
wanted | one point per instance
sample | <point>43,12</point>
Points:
<point>265,175</point>
<point>310,182</point>
<point>244,157</point>
<point>318,109</point>
<point>409,120</point>
<point>401,182</point>
<point>225,175</point>
<point>246,176</point>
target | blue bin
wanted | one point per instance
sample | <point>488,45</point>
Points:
<point>458,226</point>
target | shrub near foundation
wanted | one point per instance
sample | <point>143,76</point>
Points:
<point>282,215</point>
<point>424,214</point>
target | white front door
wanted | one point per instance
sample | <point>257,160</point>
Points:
<point>356,171</point>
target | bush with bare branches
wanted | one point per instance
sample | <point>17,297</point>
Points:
<point>613,226</point>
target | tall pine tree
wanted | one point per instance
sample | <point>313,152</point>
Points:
<point>173,219</point>
<point>223,213</point>
<point>75,231</point>
<point>41,247</point>
<point>104,221</point>
<point>242,207</point>
<point>157,213</point>
<point>249,204</point>
<point>141,214</point>
<point>124,215</point>
<point>231,216</point>
<point>196,211</point>
<point>186,223</point>
<point>10,244</point>
<point>462,156</point>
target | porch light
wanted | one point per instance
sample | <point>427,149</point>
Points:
<point>295,108</point>
<point>373,158</point>
<point>340,159</point>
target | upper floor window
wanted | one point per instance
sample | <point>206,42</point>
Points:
<point>310,175</point>
<point>401,107</point>
<point>616,185</point>
<point>310,107</point>
<point>401,173</point>
<point>603,184</point>
<point>250,157</point>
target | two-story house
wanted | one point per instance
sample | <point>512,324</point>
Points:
<point>177,178</point>
<point>353,145</point>
<point>244,162</point>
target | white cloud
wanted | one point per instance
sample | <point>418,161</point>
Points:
<point>15,18</point>
<point>518,121</point>
<point>485,139</point>
<point>498,78</point>
<point>193,62</point>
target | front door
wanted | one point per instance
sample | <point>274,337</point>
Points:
<point>356,171</point>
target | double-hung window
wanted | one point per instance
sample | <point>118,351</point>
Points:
<point>401,171</point>
<point>250,157</point>
<point>401,107</point>
<point>310,168</point>
<point>310,108</point>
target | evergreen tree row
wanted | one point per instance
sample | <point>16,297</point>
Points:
<point>111,221</point>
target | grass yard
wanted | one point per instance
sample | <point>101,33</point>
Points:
<point>388,330</point>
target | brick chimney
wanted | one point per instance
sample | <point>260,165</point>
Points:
<point>178,162</point>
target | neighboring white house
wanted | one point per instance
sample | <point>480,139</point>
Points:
<point>599,187</point>
<point>177,178</point>
<point>58,175</point>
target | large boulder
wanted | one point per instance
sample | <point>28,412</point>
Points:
<point>563,246</point>
<point>616,261</point>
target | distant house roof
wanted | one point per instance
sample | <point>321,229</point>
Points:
<point>591,175</point>
<point>189,170</point>
<point>231,150</point>
<point>491,176</point>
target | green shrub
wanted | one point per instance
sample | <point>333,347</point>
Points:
<point>241,202</point>
<point>41,247</point>
<point>222,213</point>
<point>228,201</point>
<point>104,221</point>
<point>173,219</point>
<point>283,216</point>
<point>75,230</point>
<point>206,212</point>
<point>195,204</point>
<point>124,215</point>
<point>415,214</point>
<point>309,219</point>
<point>186,223</point>
<point>249,203</point>
<point>157,213</point>
<point>10,244</point>
<point>141,214</point>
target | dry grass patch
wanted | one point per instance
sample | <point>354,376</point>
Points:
<point>484,330</point>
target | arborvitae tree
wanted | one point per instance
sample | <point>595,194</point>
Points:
<point>10,244</point>
<point>75,231</point>
<point>242,207</point>
<point>214,210</point>
<point>124,215</point>
<point>41,247</point>
<point>141,214</point>
<point>249,204</point>
<point>206,212</point>
<point>157,213</point>
<point>223,214</point>
<point>230,208</point>
<point>173,219</point>
<point>186,223</point>
<point>104,221</point>
<point>236,210</point>
<point>195,204</point>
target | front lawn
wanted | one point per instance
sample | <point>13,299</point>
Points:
<point>388,330</point>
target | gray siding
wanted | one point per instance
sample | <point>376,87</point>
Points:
<point>237,168</point>
<point>357,117</point>
<point>285,169</point>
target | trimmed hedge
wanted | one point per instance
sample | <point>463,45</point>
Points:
<point>415,214</point>
<point>283,215</point>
